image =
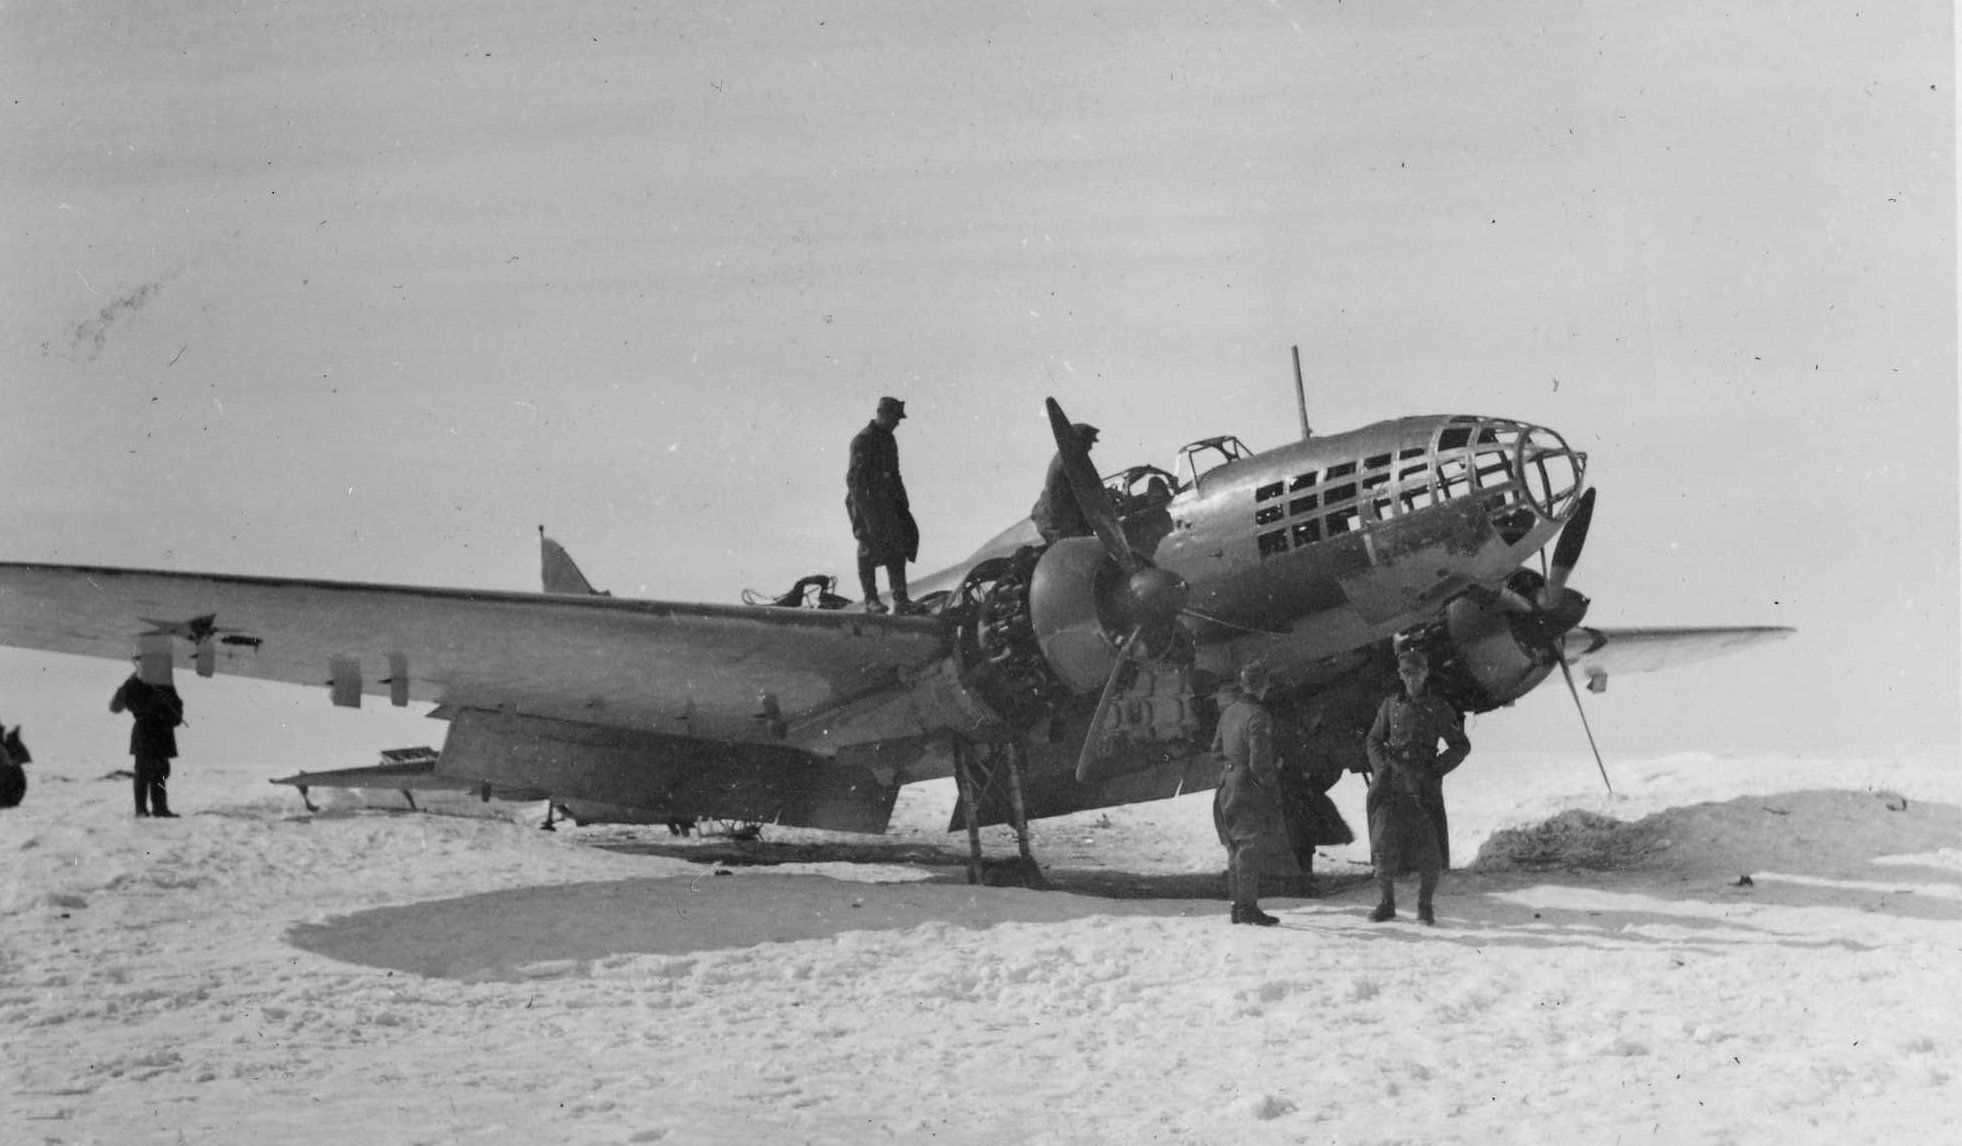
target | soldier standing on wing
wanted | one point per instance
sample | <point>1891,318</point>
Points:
<point>882,518</point>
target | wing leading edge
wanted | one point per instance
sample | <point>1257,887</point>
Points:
<point>1598,653</point>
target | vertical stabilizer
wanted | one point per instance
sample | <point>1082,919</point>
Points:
<point>558,571</point>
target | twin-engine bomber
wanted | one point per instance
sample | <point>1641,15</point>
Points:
<point>1046,678</point>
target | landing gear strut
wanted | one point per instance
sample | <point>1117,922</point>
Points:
<point>979,770</point>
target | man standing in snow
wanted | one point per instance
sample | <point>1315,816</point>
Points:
<point>1247,805</point>
<point>157,710</point>
<point>882,518</point>
<point>1406,779</point>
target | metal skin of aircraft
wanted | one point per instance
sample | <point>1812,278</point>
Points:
<point>1046,679</point>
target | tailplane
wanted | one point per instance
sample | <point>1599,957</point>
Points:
<point>558,571</point>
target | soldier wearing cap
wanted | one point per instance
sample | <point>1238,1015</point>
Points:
<point>1247,805</point>
<point>156,711</point>
<point>1406,780</point>
<point>1056,512</point>
<point>882,518</point>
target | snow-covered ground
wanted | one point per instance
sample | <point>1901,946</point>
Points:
<point>253,973</point>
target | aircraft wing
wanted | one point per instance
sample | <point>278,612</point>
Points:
<point>682,669</point>
<point>1595,652</point>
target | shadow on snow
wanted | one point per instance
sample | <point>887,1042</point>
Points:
<point>1826,841</point>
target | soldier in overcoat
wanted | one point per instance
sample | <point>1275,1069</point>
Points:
<point>881,516</point>
<point>156,710</point>
<point>1247,804</point>
<point>1406,780</point>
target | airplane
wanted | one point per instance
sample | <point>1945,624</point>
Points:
<point>1045,678</point>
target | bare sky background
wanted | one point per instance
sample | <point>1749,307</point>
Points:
<point>370,293</point>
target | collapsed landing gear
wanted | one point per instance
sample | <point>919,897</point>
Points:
<point>979,770</point>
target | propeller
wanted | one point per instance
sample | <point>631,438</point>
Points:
<point>1152,599</point>
<point>1563,608</point>
<point>1554,610</point>
<point>1091,496</point>
<point>1566,552</point>
<point>1567,672</point>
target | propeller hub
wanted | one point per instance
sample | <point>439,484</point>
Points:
<point>1157,595</point>
<point>1562,608</point>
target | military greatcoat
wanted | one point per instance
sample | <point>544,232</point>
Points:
<point>1407,779</point>
<point>875,498</point>
<point>1247,806</point>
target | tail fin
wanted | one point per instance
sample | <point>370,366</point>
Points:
<point>559,573</point>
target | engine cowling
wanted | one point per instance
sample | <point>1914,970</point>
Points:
<point>1488,651</point>
<point>1072,579</point>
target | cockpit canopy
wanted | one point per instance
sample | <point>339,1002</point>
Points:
<point>1200,458</point>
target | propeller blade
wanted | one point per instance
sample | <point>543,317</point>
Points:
<point>1582,709</point>
<point>1091,496</point>
<point>1567,553</point>
<point>1093,740</point>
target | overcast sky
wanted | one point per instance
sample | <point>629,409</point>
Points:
<point>371,294</point>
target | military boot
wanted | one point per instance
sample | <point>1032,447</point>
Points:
<point>1386,903</point>
<point>874,605</point>
<point>1426,889</point>
<point>1260,918</point>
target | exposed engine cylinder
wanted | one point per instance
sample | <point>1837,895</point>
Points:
<point>1000,656</point>
<point>1157,706</point>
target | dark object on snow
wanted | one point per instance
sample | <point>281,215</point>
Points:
<point>13,779</point>
<point>1745,881</point>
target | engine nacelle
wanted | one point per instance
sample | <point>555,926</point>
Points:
<point>1490,653</point>
<point>1072,578</point>
<point>1045,626</point>
<point>1486,652</point>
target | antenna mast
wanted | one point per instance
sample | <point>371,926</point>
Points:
<point>1301,397</point>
